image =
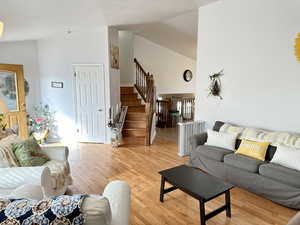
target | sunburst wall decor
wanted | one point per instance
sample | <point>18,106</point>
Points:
<point>297,47</point>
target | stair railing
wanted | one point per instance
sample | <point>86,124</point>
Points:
<point>145,86</point>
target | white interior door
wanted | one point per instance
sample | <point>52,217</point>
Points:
<point>90,103</point>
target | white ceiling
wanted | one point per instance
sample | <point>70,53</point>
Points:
<point>178,33</point>
<point>34,19</point>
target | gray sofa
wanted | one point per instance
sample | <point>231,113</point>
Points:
<point>272,181</point>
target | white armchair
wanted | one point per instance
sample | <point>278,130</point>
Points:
<point>54,177</point>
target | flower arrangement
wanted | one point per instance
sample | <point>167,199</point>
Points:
<point>41,122</point>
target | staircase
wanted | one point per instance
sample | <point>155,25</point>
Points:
<point>138,123</point>
<point>135,123</point>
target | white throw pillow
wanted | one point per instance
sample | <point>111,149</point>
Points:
<point>288,157</point>
<point>222,140</point>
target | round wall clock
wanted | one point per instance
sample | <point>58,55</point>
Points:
<point>188,75</point>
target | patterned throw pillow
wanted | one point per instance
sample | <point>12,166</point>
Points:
<point>253,149</point>
<point>62,210</point>
<point>29,153</point>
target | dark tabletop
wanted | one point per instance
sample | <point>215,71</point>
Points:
<point>195,182</point>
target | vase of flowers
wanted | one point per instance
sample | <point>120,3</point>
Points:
<point>41,122</point>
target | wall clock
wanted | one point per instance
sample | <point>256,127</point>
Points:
<point>188,75</point>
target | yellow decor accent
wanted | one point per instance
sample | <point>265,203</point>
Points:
<point>253,149</point>
<point>1,28</point>
<point>297,47</point>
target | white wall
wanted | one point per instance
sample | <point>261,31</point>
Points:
<point>114,74</point>
<point>166,65</point>
<point>24,53</point>
<point>57,54</point>
<point>254,42</point>
<point>126,58</point>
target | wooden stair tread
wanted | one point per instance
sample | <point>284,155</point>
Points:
<point>139,129</point>
<point>131,104</point>
<point>135,122</point>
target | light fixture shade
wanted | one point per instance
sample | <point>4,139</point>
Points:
<point>1,28</point>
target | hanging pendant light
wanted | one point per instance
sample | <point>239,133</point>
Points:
<point>1,28</point>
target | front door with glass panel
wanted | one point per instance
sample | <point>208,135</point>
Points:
<point>12,97</point>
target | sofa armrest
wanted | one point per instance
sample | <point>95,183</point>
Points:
<point>56,153</point>
<point>199,139</point>
<point>295,220</point>
<point>11,178</point>
<point>118,194</point>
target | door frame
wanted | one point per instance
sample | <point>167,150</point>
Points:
<point>75,94</point>
<point>20,79</point>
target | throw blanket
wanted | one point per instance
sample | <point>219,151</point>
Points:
<point>7,156</point>
<point>60,172</point>
<point>62,210</point>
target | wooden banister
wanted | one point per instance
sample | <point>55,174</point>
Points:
<point>145,86</point>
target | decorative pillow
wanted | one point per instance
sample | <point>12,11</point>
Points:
<point>58,210</point>
<point>253,149</point>
<point>288,157</point>
<point>7,157</point>
<point>254,134</point>
<point>29,153</point>
<point>220,139</point>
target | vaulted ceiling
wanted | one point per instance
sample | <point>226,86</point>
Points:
<point>34,19</point>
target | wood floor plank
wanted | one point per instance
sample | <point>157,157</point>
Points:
<point>93,166</point>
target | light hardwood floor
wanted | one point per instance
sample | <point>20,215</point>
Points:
<point>93,166</point>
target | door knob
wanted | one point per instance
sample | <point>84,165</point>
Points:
<point>100,110</point>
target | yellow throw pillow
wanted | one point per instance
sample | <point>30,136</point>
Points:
<point>253,149</point>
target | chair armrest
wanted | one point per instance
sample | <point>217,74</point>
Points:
<point>199,139</point>
<point>11,178</point>
<point>56,153</point>
<point>118,194</point>
<point>295,220</point>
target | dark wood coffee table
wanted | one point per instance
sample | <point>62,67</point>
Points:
<point>199,185</point>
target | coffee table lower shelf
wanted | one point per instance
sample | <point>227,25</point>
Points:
<point>203,217</point>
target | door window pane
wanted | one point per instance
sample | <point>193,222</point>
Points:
<point>8,90</point>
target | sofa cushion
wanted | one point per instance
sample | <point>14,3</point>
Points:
<point>281,174</point>
<point>212,152</point>
<point>243,162</point>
